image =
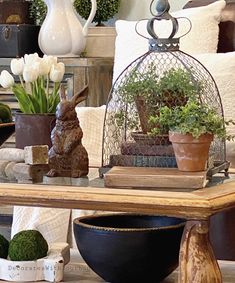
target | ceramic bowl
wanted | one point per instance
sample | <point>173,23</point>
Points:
<point>125,248</point>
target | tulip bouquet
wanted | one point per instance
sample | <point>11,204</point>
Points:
<point>35,73</point>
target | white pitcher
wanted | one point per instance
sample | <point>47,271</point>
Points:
<point>61,33</point>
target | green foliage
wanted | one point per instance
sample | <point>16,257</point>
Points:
<point>173,88</point>
<point>4,245</point>
<point>106,9</point>
<point>5,113</point>
<point>28,245</point>
<point>193,118</point>
<point>38,101</point>
<point>177,84</point>
<point>140,84</point>
<point>38,10</point>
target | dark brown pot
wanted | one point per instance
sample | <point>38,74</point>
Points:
<point>191,153</point>
<point>33,129</point>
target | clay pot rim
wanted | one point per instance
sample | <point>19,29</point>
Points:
<point>177,137</point>
<point>78,221</point>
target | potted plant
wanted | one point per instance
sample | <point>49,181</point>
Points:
<point>36,97</point>
<point>150,93</point>
<point>38,10</point>
<point>106,9</point>
<point>192,128</point>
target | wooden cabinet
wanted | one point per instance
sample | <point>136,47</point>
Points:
<point>97,73</point>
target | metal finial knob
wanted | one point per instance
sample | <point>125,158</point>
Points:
<point>171,42</point>
<point>162,6</point>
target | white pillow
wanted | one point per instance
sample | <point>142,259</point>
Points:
<point>222,68</point>
<point>203,38</point>
<point>92,121</point>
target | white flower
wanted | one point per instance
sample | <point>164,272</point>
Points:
<point>6,79</point>
<point>50,60</point>
<point>45,67</point>
<point>57,72</point>
<point>30,74</point>
<point>30,59</point>
<point>17,66</point>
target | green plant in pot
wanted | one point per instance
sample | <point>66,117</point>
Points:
<point>106,9</point>
<point>37,95</point>
<point>192,128</point>
<point>140,89</point>
<point>150,92</point>
<point>176,86</point>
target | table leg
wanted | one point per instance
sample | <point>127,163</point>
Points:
<point>197,263</point>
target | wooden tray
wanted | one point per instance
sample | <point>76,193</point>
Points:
<point>6,130</point>
<point>154,178</point>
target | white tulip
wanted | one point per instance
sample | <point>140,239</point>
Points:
<point>6,79</point>
<point>57,72</point>
<point>30,59</point>
<point>50,60</point>
<point>17,66</point>
<point>30,74</point>
<point>45,67</point>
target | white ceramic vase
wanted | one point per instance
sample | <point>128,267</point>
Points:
<point>61,33</point>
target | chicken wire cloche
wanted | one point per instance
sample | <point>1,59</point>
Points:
<point>164,76</point>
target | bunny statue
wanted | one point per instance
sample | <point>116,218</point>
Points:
<point>67,156</point>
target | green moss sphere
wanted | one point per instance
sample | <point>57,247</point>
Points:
<point>106,9</point>
<point>4,245</point>
<point>5,113</point>
<point>27,245</point>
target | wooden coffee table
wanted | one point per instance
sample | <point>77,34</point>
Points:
<point>197,263</point>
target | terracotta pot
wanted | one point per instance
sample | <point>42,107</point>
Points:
<point>33,129</point>
<point>143,113</point>
<point>174,99</point>
<point>191,153</point>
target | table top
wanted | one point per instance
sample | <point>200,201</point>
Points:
<point>199,204</point>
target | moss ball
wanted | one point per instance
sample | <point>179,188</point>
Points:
<point>5,113</point>
<point>4,245</point>
<point>28,245</point>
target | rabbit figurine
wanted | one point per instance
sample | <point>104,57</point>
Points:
<point>67,156</point>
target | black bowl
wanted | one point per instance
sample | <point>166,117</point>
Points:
<point>129,248</point>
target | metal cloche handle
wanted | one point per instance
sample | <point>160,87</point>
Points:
<point>162,13</point>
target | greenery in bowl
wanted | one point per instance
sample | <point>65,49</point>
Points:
<point>106,9</point>
<point>193,118</point>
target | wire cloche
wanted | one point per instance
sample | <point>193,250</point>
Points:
<point>164,76</point>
